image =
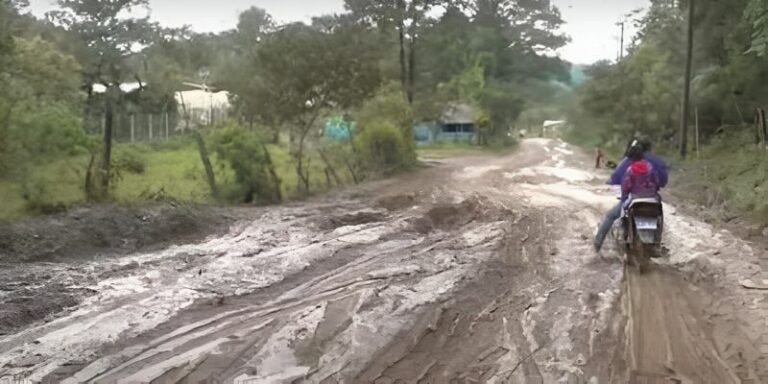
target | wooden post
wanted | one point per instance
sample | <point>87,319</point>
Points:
<point>133,127</point>
<point>150,127</point>
<point>166,126</point>
<point>206,164</point>
<point>698,151</point>
<point>761,134</point>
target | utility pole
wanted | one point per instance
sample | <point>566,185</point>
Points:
<point>621,43</point>
<point>687,90</point>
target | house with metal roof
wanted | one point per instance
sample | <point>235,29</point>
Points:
<point>457,123</point>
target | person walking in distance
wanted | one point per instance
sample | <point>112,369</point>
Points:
<point>599,157</point>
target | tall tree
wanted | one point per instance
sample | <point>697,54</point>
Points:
<point>109,37</point>
<point>240,75</point>
<point>406,19</point>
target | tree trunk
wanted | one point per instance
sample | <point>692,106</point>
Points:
<point>89,195</point>
<point>207,164</point>
<point>186,112</point>
<point>300,172</point>
<point>412,55</point>
<point>329,169</point>
<point>355,156</point>
<point>303,181</point>
<point>403,59</point>
<point>106,157</point>
<point>352,171</point>
<point>273,172</point>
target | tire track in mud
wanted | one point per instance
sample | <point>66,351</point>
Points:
<point>668,337</point>
<point>466,338</point>
<point>402,272</point>
<point>662,325</point>
<point>471,272</point>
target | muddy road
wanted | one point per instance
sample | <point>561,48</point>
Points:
<point>474,270</point>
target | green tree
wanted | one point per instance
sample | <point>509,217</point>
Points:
<point>304,72</point>
<point>108,39</point>
<point>403,18</point>
<point>41,106</point>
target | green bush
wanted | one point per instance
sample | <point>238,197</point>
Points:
<point>384,149</point>
<point>389,106</point>
<point>38,198</point>
<point>243,152</point>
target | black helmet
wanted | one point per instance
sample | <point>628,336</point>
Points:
<point>636,151</point>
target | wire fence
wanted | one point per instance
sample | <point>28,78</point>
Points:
<point>143,127</point>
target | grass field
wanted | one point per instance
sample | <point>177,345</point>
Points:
<point>171,168</point>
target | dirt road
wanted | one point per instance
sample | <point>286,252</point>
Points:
<point>475,270</point>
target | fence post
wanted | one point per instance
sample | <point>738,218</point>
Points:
<point>133,127</point>
<point>151,134</point>
<point>166,126</point>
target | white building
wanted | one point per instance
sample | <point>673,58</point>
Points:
<point>201,107</point>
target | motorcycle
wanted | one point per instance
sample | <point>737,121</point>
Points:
<point>639,232</point>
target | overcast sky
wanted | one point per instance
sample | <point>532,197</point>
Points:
<point>590,23</point>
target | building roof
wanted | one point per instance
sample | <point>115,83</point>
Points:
<point>199,99</point>
<point>125,87</point>
<point>458,114</point>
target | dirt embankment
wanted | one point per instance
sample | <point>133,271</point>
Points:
<point>46,263</point>
<point>88,233</point>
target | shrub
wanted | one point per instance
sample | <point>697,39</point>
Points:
<point>383,148</point>
<point>389,106</point>
<point>244,153</point>
<point>38,198</point>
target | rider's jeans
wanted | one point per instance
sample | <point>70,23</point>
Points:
<point>605,227</point>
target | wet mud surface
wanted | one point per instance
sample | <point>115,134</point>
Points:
<point>476,270</point>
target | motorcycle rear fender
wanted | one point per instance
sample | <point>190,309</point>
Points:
<point>647,229</point>
<point>644,223</point>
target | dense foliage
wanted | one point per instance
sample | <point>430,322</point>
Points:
<point>643,92</point>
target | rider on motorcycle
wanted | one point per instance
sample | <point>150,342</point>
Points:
<point>641,150</point>
<point>640,180</point>
<point>658,164</point>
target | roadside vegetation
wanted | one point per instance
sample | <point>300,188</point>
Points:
<point>725,168</point>
<point>73,85</point>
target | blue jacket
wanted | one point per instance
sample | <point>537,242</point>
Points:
<point>658,164</point>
